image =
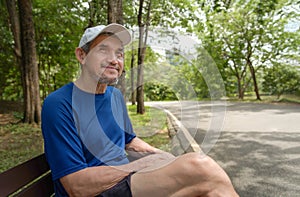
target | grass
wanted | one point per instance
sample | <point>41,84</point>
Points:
<point>148,124</point>
<point>151,126</point>
<point>290,99</point>
<point>20,142</point>
<point>269,99</point>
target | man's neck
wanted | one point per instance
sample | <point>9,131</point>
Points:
<point>101,88</point>
<point>91,87</point>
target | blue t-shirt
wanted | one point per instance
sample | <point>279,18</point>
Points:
<point>81,129</point>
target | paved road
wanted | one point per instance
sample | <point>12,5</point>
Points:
<point>257,144</point>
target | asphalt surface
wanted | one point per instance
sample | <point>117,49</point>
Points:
<point>258,145</point>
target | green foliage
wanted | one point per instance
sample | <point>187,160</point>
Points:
<point>225,29</point>
<point>247,33</point>
<point>58,28</point>
<point>175,13</point>
<point>190,81</point>
<point>281,79</point>
<point>158,92</point>
<point>97,11</point>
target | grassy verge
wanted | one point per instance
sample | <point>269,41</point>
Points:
<point>269,99</point>
<point>20,142</point>
<point>290,99</point>
<point>151,126</point>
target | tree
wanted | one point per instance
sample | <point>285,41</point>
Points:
<point>25,49</point>
<point>249,34</point>
<point>31,88</point>
<point>97,12</point>
<point>115,11</point>
<point>115,15</point>
<point>232,32</point>
<point>143,35</point>
<point>15,27</point>
<point>231,35</point>
<point>132,73</point>
<point>281,79</point>
<point>10,75</point>
<point>58,25</point>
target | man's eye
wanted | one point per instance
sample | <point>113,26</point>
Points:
<point>120,55</point>
<point>103,50</point>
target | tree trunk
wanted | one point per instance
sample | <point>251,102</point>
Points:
<point>140,70</point>
<point>240,90</point>
<point>132,75</point>
<point>254,82</point>
<point>140,74</point>
<point>115,15</point>
<point>115,11</point>
<point>15,27</point>
<point>143,32</point>
<point>252,71</point>
<point>32,104</point>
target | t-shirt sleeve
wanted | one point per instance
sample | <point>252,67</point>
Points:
<point>63,148</point>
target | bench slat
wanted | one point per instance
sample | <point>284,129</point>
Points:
<point>43,187</point>
<point>17,177</point>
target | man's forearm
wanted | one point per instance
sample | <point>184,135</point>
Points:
<point>92,181</point>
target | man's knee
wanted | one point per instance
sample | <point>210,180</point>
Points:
<point>188,166</point>
<point>198,159</point>
<point>206,174</point>
<point>202,166</point>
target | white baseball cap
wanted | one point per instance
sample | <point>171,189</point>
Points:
<point>119,30</point>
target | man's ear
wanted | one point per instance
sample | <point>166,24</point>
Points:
<point>80,54</point>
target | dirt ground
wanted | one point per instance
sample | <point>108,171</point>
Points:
<point>9,110</point>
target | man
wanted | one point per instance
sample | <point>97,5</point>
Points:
<point>86,131</point>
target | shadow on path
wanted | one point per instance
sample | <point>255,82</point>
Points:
<point>260,164</point>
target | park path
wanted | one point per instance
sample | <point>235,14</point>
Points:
<point>258,144</point>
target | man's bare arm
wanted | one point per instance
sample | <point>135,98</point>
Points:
<point>92,181</point>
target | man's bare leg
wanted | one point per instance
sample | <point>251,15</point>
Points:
<point>192,174</point>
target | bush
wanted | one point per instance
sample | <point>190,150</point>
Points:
<point>158,92</point>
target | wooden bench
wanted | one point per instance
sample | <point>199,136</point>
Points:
<point>29,179</point>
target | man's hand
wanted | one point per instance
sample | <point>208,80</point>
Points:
<point>137,149</point>
<point>138,145</point>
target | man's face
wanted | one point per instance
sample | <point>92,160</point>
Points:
<point>104,61</point>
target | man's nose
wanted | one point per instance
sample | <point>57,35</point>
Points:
<point>112,57</point>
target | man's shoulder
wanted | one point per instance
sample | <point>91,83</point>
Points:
<point>60,95</point>
<point>113,90</point>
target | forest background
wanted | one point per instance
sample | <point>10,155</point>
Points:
<point>254,45</point>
